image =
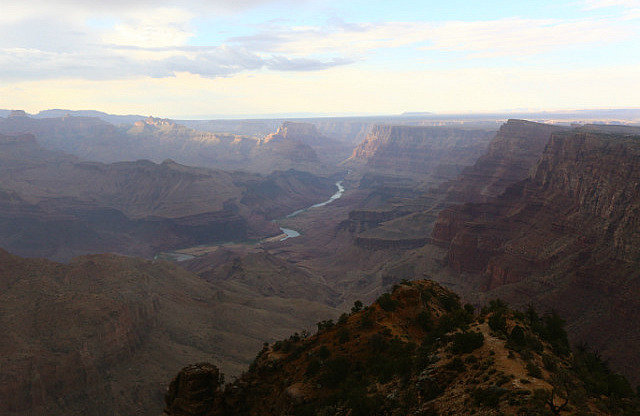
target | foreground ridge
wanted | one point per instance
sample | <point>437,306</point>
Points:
<point>414,351</point>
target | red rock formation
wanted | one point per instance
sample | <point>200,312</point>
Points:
<point>568,238</point>
<point>512,154</point>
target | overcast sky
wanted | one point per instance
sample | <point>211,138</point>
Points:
<point>201,58</point>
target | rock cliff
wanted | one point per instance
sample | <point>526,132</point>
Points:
<point>566,237</point>
<point>511,155</point>
<point>303,143</point>
<point>435,151</point>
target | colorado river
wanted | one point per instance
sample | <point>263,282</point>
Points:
<point>190,253</point>
<point>293,233</point>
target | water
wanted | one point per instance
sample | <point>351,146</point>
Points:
<point>335,196</point>
<point>175,256</point>
<point>289,232</point>
<point>293,233</point>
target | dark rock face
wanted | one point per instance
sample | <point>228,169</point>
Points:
<point>567,237</point>
<point>194,390</point>
<point>512,154</point>
<point>437,151</point>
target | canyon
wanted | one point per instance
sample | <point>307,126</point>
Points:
<point>533,213</point>
<point>58,206</point>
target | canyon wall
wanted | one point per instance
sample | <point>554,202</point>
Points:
<point>566,237</point>
<point>441,152</point>
<point>511,155</point>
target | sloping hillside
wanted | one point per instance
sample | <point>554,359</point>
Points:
<point>415,351</point>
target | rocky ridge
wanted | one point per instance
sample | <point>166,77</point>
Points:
<point>415,351</point>
<point>155,139</point>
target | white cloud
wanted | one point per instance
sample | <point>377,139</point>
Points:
<point>505,37</point>
<point>348,39</point>
<point>155,28</point>
<point>522,37</point>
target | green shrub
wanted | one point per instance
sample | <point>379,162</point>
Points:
<point>455,365</point>
<point>517,336</point>
<point>489,396</point>
<point>324,353</point>
<point>343,335</point>
<point>335,372</point>
<point>497,322</point>
<point>378,343</point>
<point>425,321</point>
<point>450,302</point>
<point>325,325</point>
<point>366,322</point>
<point>387,303</point>
<point>533,370</point>
<point>357,307</point>
<point>465,342</point>
<point>549,362</point>
<point>313,367</point>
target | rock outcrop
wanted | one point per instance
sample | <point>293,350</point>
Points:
<point>302,142</point>
<point>194,390</point>
<point>567,237</point>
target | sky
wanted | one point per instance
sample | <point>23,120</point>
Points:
<point>219,58</point>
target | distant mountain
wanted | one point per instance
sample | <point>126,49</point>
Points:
<point>109,118</point>
<point>156,139</point>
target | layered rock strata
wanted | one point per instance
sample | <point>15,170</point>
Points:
<point>567,237</point>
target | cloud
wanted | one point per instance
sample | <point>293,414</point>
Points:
<point>341,38</point>
<point>16,11</point>
<point>281,63</point>
<point>525,37</point>
<point>492,38</point>
<point>162,27</point>
<point>151,38</point>
<point>600,4</point>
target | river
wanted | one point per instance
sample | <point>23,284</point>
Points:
<point>293,233</point>
<point>181,256</point>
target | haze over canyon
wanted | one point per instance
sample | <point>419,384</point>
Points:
<point>132,247</point>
